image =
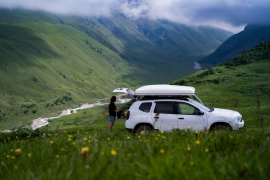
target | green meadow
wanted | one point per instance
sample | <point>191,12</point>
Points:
<point>88,151</point>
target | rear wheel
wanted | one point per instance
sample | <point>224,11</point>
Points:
<point>144,129</point>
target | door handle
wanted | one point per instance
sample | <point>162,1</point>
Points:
<point>180,118</point>
<point>156,117</point>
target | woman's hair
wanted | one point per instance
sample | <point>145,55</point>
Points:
<point>113,98</point>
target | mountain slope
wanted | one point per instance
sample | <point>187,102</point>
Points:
<point>50,62</point>
<point>241,84</point>
<point>252,35</point>
<point>47,66</point>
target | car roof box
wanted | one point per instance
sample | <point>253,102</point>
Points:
<point>164,90</point>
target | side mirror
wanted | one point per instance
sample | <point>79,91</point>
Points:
<point>201,113</point>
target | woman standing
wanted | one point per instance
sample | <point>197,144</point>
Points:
<point>112,113</point>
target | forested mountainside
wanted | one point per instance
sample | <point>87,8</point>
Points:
<point>233,46</point>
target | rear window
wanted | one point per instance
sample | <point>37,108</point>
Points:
<point>164,107</point>
<point>145,107</point>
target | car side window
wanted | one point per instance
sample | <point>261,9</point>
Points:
<point>164,107</point>
<point>187,109</point>
<point>145,107</point>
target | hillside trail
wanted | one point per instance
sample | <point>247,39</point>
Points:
<point>40,122</point>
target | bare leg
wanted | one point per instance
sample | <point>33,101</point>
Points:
<point>110,126</point>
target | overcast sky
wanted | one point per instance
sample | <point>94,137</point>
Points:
<point>231,15</point>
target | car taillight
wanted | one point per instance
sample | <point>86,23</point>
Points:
<point>128,114</point>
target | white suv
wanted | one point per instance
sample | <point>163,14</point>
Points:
<point>178,111</point>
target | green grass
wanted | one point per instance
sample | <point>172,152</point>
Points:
<point>57,154</point>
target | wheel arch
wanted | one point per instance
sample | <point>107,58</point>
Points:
<point>142,124</point>
<point>220,123</point>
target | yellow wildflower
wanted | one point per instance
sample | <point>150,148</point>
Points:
<point>8,156</point>
<point>51,142</point>
<point>56,156</point>
<point>85,151</point>
<point>113,153</point>
<point>85,138</point>
<point>29,154</point>
<point>128,137</point>
<point>18,152</point>
<point>109,138</point>
<point>188,148</point>
<point>198,142</point>
<point>162,151</point>
<point>191,163</point>
<point>206,150</point>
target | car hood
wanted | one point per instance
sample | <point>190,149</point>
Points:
<point>225,112</point>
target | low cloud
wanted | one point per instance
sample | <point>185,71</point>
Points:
<point>232,15</point>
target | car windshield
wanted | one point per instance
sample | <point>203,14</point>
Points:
<point>205,108</point>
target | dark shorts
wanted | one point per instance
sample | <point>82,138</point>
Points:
<point>111,118</point>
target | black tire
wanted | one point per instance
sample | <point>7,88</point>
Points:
<point>144,129</point>
<point>221,127</point>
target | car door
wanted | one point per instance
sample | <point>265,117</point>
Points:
<point>164,115</point>
<point>190,117</point>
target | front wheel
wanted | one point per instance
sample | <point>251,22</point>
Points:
<point>144,129</point>
<point>221,127</point>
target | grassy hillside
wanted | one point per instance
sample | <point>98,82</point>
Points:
<point>241,84</point>
<point>47,66</point>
